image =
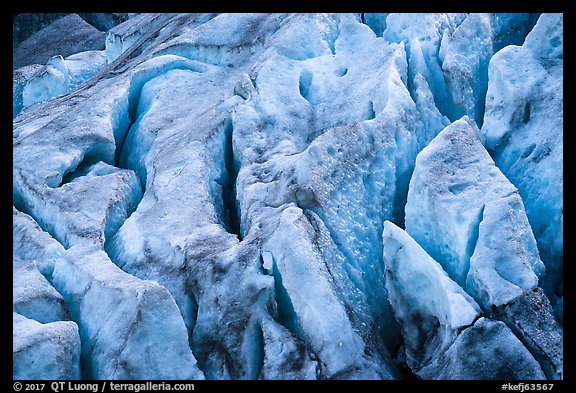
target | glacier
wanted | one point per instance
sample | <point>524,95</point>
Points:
<point>526,96</point>
<point>481,235</point>
<point>440,320</point>
<point>45,350</point>
<point>291,197</point>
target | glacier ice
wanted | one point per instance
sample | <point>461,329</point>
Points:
<point>210,178</point>
<point>50,81</point>
<point>525,96</point>
<point>432,292</point>
<point>313,311</point>
<point>65,36</point>
<point>452,51</point>
<point>56,59</point>
<point>546,39</point>
<point>468,211</point>
<point>77,168</point>
<point>221,196</point>
<point>96,292</point>
<point>441,323</point>
<point>501,355</point>
<point>45,350</point>
<point>119,38</point>
<point>532,319</point>
<point>376,22</point>
<point>130,328</point>
<point>58,76</point>
<point>31,243</point>
<point>285,358</point>
<point>124,35</point>
<point>34,297</point>
<point>34,83</point>
<point>447,217</point>
<point>180,255</point>
<point>511,28</point>
<point>465,53</point>
<point>82,66</point>
<point>308,164</point>
<point>423,297</point>
<point>471,219</point>
<point>20,78</point>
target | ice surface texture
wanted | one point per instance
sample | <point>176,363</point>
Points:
<point>471,219</point>
<point>66,36</point>
<point>45,351</point>
<point>224,197</point>
<point>441,323</point>
<point>525,97</point>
